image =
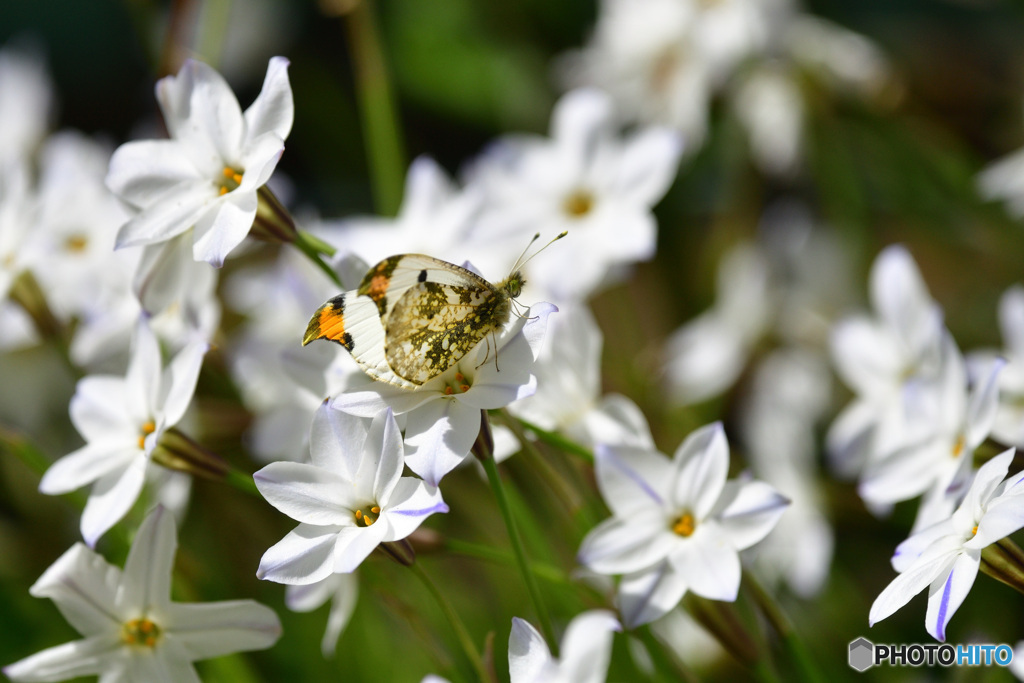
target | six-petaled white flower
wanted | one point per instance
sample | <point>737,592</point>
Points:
<point>945,557</point>
<point>133,631</point>
<point>349,500</point>
<point>586,651</point>
<point>677,524</point>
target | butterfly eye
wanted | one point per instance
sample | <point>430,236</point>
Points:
<point>515,286</point>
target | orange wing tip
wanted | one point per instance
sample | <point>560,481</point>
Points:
<point>329,323</point>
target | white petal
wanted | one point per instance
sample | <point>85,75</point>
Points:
<point>341,611</point>
<point>213,629</point>
<point>180,381</point>
<point>580,120</point>
<point>1011,319</point>
<point>146,582</point>
<point>309,494</point>
<point>355,544</point>
<point>632,479</point>
<point>908,584</point>
<point>649,595</point>
<point>142,382</point>
<point>701,465</point>
<point>850,438</point>
<point>142,172</point>
<point>168,663</point>
<point>83,586</point>
<point>901,298</point>
<point>111,498</point>
<point>440,436</point>
<point>162,275</point>
<point>865,355</point>
<point>335,440</point>
<point>178,210</point>
<point>233,219</point>
<point>747,512</point>
<point>97,408</point>
<point>384,440</point>
<point>412,501</point>
<point>587,647</point>
<point>620,546</point>
<point>981,408</point>
<point>86,657</point>
<point>528,654</point>
<point>946,596</point>
<point>648,165</point>
<point>273,110</point>
<point>904,474</point>
<point>214,114</point>
<point>305,555</point>
<point>87,464</point>
<point>708,564</point>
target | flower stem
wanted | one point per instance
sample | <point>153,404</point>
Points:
<point>782,625</point>
<point>377,108</point>
<point>453,618</point>
<point>242,481</point>
<point>311,247</point>
<point>558,441</point>
<point>487,458</point>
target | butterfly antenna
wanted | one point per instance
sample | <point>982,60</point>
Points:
<point>524,259</point>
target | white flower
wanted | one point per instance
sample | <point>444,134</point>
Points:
<point>348,501</point>
<point>1008,427</point>
<point>434,218</point>
<point>568,397</point>
<point>133,632</point>
<point>587,180</point>
<point>938,460</point>
<point>26,108</point>
<point>207,174</point>
<point>122,420</point>
<point>16,216</point>
<point>886,360</point>
<point>705,356</point>
<point>585,652</point>
<point>769,104</point>
<point>442,416</point>
<point>945,557</point>
<point>677,525</point>
<point>341,589</point>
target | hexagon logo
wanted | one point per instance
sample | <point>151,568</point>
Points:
<point>862,654</point>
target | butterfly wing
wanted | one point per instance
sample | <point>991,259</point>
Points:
<point>433,325</point>
<point>353,321</point>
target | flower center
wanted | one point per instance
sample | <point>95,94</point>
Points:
<point>231,180</point>
<point>578,204</point>
<point>140,632</point>
<point>460,386</point>
<point>369,517</point>
<point>684,525</point>
<point>76,244</point>
<point>148,427</point>
<point>974,531</point>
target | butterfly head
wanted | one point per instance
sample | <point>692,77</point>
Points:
<point>513,284</point>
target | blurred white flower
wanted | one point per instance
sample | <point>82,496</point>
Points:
<point>1008,427</point>
<point>434,219</point>
<point>586,651</point>
<point>768,102</point>
<point>887,361</point>
<point>198,189</point>
<point>342,590</point>
<point>706,355</point>
<point>133,632</point>
<point>442,416</point>
<point>788,396</point>
<point>945,556</point>
<point>568,397</point>
<point>122,420</point>
<point>17,213</point>
<point>26,104</point>
<point>677,525</point>
<point>587,180</point>
<point>938,458</point>
<point>846,60</point>
<point>349,500</point>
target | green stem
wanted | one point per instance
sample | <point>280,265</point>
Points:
<point>558,441</point>
<point>316,243</point>
<point>310,248</point>
<point>377,109</point>
<point>453,618</point>
<point>483,552</point>
<point>242,481</point>
<point>780,622</point>
<point>517,548</point>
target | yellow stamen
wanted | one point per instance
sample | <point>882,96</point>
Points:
<point>375,510</point>
<point>459,377</point>
<point>147,428</point>
<point>958,447</point>
<point>685,525</point>
<point>367,519</point>
<point>76,243</point>
<point>359,515</point>
<point>464,387</point>
<point>223,190</point>
<point>578,204</point>
<point>140,632</point>
<point>448,391</point>
<point>237,178</point>
<point>974,531</point>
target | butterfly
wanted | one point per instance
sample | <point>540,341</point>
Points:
<point>414,316</point>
